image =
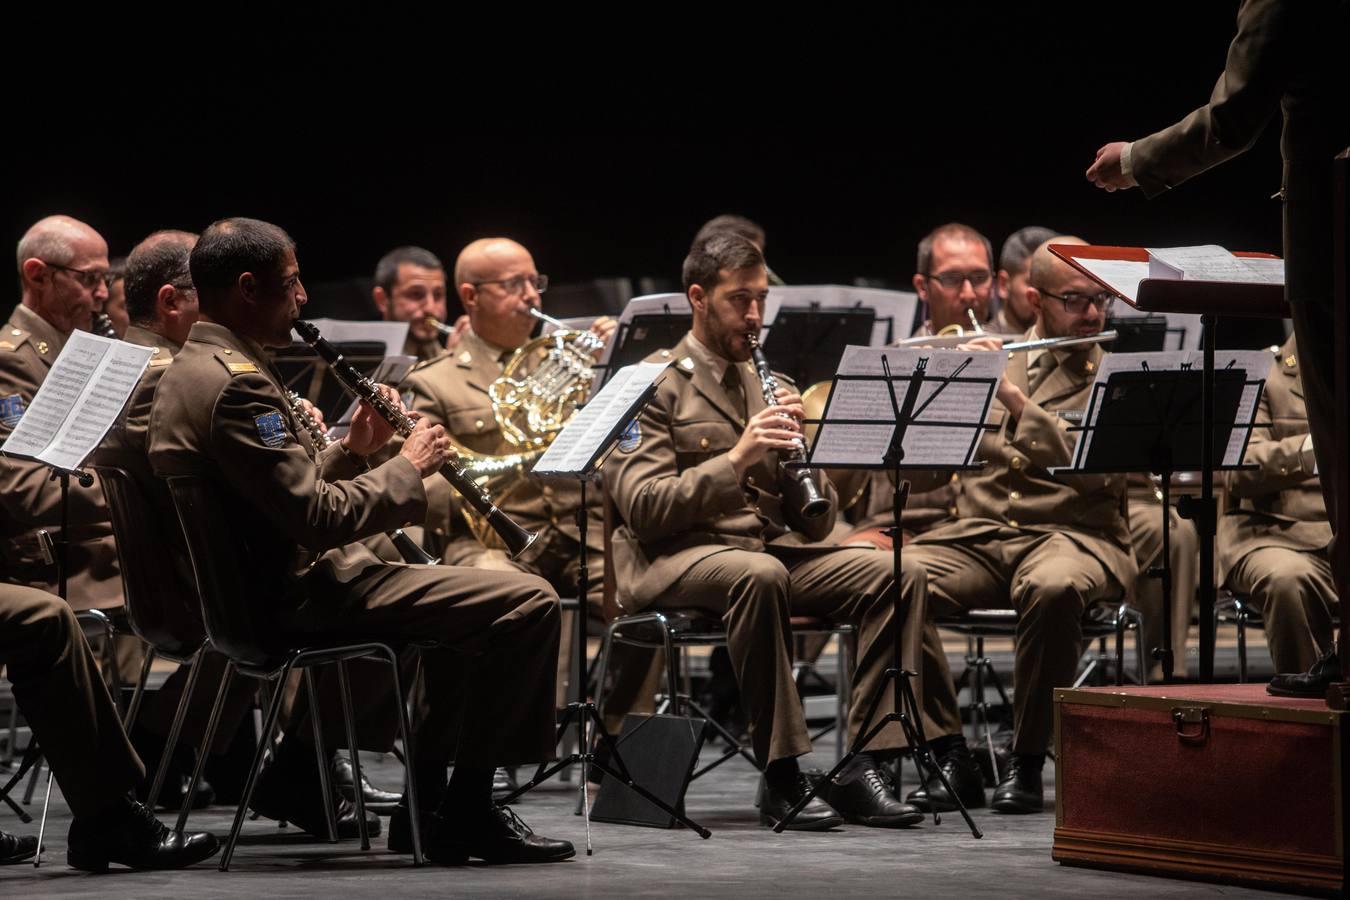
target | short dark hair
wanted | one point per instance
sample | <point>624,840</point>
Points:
<point>1015,256</point>
<point>954,230</point>
<point>386,270</point>
<point>152,264</point>
<point>736,225</point>
<point>230,247</point>
<point>720,250</point>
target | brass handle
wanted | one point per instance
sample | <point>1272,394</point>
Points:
<point>1191,715</point>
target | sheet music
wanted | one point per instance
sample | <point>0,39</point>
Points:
<point>935,446</point>
<point>1120,275</point>
<point>1210,262</point>
<point>79,400</point>
<point>394,335</point>
<point>585,436</point>
<point>1255,363</point>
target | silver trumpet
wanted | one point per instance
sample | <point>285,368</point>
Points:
<point>407,547</point>
<point>806,495</point>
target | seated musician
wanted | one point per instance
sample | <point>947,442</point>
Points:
<point>219,412</point>
<point>410,287</point>
<point>1048,546</point>
<point>707,524</point>
<point>1015,315</point>
<point>1274,541</point>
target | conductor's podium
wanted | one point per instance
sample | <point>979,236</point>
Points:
<point>1214,782</point>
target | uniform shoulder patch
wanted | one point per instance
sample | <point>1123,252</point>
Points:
<point>160,357</point>
<point>12,338</point>
<point>11,410</point>
<point>271,429</point>
<point>631,438</point>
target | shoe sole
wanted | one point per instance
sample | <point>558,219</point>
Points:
<point>927,807</point>
<point>1300,695</point>
<point>458,859</point>
<point>100,864</point>
<point>1009,807</point>
<point>906,821</point>
<point>798,824</point>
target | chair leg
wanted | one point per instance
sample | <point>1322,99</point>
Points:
<point>1242,646</point>
<point>135,707</point>
<point>1120,646</point>
<point>175,730</point>
<point>354,748</point>
<point>270,721</point>
<point>672,673</point>
<point>409,782</point>
<point>842,692</point>
<point>42,826</point>
<point>326,787</point>
<point>226,678</point>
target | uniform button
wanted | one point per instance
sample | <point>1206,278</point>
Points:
<point>955,478</point>
<point>478,423</point>
<point>750,479</point>
<point>1012,522</point>
<point>1284,470</point>
<point>440,531</point>
<point>703,443</point>
<point>1033,443</point>
<point>1015,462</point>
<point>952,510</point>
<point>228,351</point>
<point>1016,495</point>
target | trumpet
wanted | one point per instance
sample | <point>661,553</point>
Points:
<point>439,325</point>
<point>407,547</point>
<point>516,538</point>
<point>806,493</point>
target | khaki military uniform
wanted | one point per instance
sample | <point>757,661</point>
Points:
<point>1048,546</point>
<point>56,685</point>
<point>1275,544</point>
<point>30,501</point>
<point>694,535</point>
<point>220,412</point>
<point>423,350</point>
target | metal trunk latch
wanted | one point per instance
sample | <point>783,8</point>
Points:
<point>1186,716</point>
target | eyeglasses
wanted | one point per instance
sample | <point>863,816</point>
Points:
<point>88,278</point>
<point>953,280</point>
<point>1078,303</point>
<point>514,286</point>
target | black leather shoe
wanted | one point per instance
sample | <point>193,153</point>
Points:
<point>297,800</point>
<point>137,840</point>
<point>1021,790</point>
<point>868,798</point>
<point>400,827</point>
<point>498,836</point>
<point>15,848</point>
<point>1312,683</point>
<point>963,774</point>
<point>377,801</point>
<point>775,801</point>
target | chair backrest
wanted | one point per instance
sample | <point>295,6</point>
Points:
<point>610,607</point>
<point>240,613</point>
<point>156,583</point>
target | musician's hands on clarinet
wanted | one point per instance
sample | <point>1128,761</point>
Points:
<point>772,428</point>
<point>427,448</point>
<point>369,431</point>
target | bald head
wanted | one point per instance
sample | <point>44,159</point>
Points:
<point>59,240</point>
<point>1048,272</point>
<point>498,285</point>
<point>483,259</point>
<point>63,264</point>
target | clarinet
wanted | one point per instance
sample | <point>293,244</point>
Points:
<point>407,547</point>
<point>513,535</point>
<point>102,325</point>
<point>806,493</point>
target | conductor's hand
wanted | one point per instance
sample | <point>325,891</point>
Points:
<point>1105,171</point>
<point>767,430</point>
<point>427,448</point>
<point>369,431</point>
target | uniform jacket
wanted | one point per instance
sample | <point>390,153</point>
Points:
<point>1280,504</point>
<point>220,412</point>
<point>30,500</point>
<point>1015,487</point>
<point>677,493</point>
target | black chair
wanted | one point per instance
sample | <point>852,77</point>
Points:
<point>240,620</point>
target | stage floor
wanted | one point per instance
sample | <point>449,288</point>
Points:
<point>740,860</point>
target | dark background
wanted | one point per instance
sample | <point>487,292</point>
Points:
<point>602,145</point>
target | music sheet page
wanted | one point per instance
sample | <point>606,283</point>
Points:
<point>584,437</point>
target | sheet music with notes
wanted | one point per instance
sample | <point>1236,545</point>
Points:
<point>1255,363</point>
<point>79,400</point>
<point>596,424</point>
<point>963,407</point>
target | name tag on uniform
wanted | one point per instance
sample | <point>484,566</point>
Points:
<point>11,410</point>
<point>271,429</point>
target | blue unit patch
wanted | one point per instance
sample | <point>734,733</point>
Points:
<point>11,410</point>
<point>631,438</point>
<point>271,429</point>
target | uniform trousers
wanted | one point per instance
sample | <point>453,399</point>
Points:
<point>1146,536</point>
<point>1297,598</point>
<point>1049,580</point>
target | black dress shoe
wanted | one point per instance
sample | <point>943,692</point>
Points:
<point>15,848</point>
<point>965,777</point>
<point>496,836</point>
<point>775,801</point>
<point>400,827</point>
<point>1312,683</point>
<point>298,800</point>
<point>135,839</point>
<point>1021,790</point>
<point>868,798</point>
<point>377,801</point>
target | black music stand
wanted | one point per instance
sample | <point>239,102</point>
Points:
<point>905,708</point>
<point>1153,420</point>
<point>1138,334</point>
<point>806,343</point>
<point>646,334</point>
<point>303,371</point>
<point>582,712</point>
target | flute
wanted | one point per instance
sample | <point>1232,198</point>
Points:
<point>1100,337</point>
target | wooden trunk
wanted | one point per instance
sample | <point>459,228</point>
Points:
<point>1216,782</point>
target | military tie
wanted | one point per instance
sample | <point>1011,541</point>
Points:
<point>735,388</point>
